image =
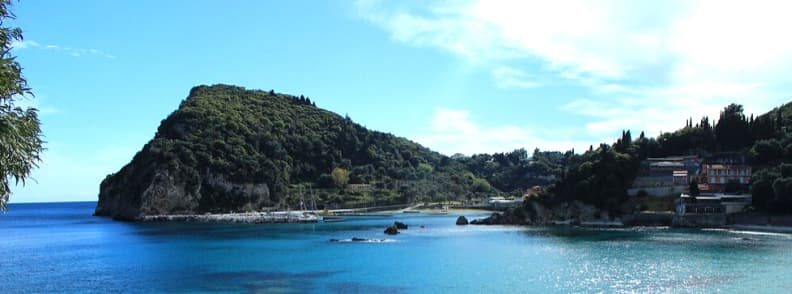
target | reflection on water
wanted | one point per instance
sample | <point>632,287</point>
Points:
<point>61,248</point>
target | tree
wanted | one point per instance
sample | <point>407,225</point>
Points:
<point>732,186</point>
<point>481,185</point>
<point>694,189</point>
<point>783,192</point>
<point>20,133</point>
<point>340,177</point>
<point>732,130</point>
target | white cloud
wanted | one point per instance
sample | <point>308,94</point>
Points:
<point>24,44</point>
<point>75,52</point>
<point>650,65</point>
<point>453,131</point>
<point>39,102</point>
<point>509,77</point>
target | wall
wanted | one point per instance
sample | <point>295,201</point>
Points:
<point>700,220</point>
<point>659,191</point>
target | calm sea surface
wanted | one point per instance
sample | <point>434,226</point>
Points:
<point>60,247</point>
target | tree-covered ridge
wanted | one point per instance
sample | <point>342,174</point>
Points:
<point>256,135</point>
<point>516,171</point>
<point>237,149</point>
<point>602,176</point>
<point>771,157</point>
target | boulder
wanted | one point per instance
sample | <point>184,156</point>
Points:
<point>494,219</point>
<point>400,225</point>
<point>462,220</point>
<point>392,230</point>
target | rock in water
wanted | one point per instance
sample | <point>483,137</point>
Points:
<point>462,220</point>
<point>392,230</point>
<point>400,225</point>
<point>494,219</point>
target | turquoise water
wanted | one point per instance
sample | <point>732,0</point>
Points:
<point>62,248</point>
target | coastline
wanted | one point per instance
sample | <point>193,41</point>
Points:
<point>638,220</point>
<point>294,217</point>
<point>244,217</point>
<point>761,228</point>
<point>306,216</point>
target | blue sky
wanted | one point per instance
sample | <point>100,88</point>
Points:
<point>456,76</point>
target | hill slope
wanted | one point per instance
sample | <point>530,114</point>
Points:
<point>230,149</point>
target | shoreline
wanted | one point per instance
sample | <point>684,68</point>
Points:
<point>286,217</point>
<point>308,216</point>
<point>243,217</point>
<point>761,228</point>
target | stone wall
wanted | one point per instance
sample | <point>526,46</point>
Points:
<point>700,220</point>
<point>658,191</point>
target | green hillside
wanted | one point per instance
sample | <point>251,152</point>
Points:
<point>231,149</point>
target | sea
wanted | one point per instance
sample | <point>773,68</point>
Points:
<point>61,248</point>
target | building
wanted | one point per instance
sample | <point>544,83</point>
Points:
<point>690,163</point>
<point>667,176</point>
<point>716,176</point>
<point>502,202</point>
<point>708,210</point>
<point>712,204</point>
<point>533,191</point>
<point>721,169</point>
<point>680,177</point>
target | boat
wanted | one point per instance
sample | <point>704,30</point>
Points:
<point>443,211</point>
<point>366,214</point>
<point>332,219</point>
<point>328,216</point>
<point>411,211</point>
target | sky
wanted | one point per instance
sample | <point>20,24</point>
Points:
<point>456,76</point>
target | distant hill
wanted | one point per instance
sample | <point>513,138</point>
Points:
<point>230,149</point>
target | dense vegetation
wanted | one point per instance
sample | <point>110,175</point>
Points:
<point>20,134</point>
<point>515,172</point>
<point>771,156</point>
<point>601,176</point>
<point>301,152</point>
<point>306,155</point>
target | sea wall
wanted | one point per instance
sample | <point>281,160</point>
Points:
<point>662,191</point>
<point>648,219</point>
<point>700,220</point>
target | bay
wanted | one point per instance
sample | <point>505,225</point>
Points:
<point>60,247</point>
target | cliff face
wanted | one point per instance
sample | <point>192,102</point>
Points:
<point>227,149</point>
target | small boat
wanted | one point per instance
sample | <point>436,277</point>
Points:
<point>411,211</point>
<point>353,214</point>
<point>443,211</point>
<point>333,219</point>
